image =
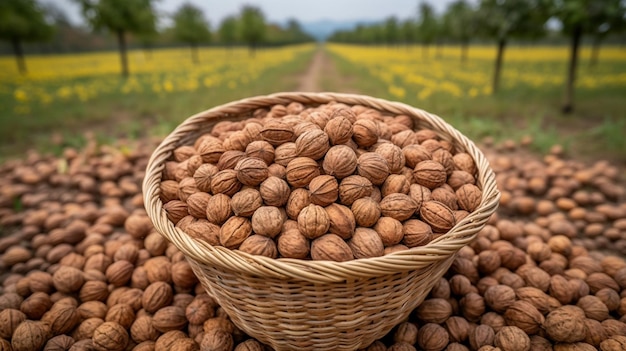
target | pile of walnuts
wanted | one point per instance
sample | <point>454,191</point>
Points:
<point>334,182</point>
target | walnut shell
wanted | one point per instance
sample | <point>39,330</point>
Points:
<point>393,155</point>
<point>340,161</point>
<point>156,296</point>
<point>525,316</point>
<point>292,244</point>
<point>395,183</point>
<point>267,221</point>
<point>203,175</point>
<point>365,132</point>
<point>430,174</point>
<point>390,230</point>
<point>169,318</point>
<point>234,231</point>
<point>354,187</point>
<point>439,216</point>
<point>565,324</point>
<point>110,336</point>
<point>373,167</point>
<point>324,190</point>
<point>262,150</point>
<point>469,197</point>
<point>285,153</point>
<point>435,310</point>
<point>218,340</point>
<point>398,206</point>
<point>313,143</point>
<point>10,319</point>
<point>229,159</point>
<point>593,307</point>
<point>366,211</point>
<point>246,202</point>
<point>251,171</point>
<point>414,154</point>
<point>225,182</point>
<point>313,221</point>
<point>197,204</point>
<point>481,335</point>
<point>210,150</point>
<point>277,132</point>
<point>301,170</point>
<point>512,338</point>
<point>432,337</point>
<point>298,199</point>
<point>416,233</point>
<point>218,209</point>
<point>30,335</point>
<point>366,243</point>
<point>342,221</point>
<point>61,318</point>
<point>121,313</point>
<point>68,279</point>
<point>119,273</point>
<point>259,245</point>
<point>142,330</point>
<point>339,130</point>
<point>331,247</point>
<point>274,191</point>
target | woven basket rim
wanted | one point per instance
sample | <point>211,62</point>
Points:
<point>309,270</point>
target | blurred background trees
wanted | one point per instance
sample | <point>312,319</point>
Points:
<point>252,27</point>
<point>192,28</point>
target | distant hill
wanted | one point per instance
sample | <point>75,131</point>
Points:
<point>322,29</point>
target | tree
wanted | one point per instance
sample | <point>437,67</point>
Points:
<point>228,30</point>
<point>609,19</point>
<point>23,20</point>
<point>252,27</point>
<point>577,18</point>
<point>191,28</point>
<point>408,32</point>
<point>460,21</point>
<point>120,17</point>
<point>503,19</point>
<point>392,33</point>
<point>426,26</point>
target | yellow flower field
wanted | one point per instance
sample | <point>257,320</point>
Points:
<point>408,74</point>
<point>81,77</point>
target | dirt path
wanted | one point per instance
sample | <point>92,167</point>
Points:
<point>323,75</point>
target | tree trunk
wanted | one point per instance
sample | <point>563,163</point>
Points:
<point>19,55</point>
<point>595,52</point>
<point>121,40</point>
<point>464,49</point>
<point>496,73</point>
<point>194,53</point>
<point>568,105</point>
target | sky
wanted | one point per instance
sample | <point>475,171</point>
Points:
<point>281,10</point>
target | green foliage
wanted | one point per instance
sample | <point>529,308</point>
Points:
<point>461,21</point>
<point>408,30</point>
<point>427,24</point>
<point>252,26</point>
<point>135,16</point>
<point>598,17</point>
<point>23,20</point>
<point>501,19</point>
<point>392,32</point>
<point>190,26</point>
<point>228,30</point>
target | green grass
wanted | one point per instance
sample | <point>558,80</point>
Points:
<point>595,130</point>
<point>129,116</point>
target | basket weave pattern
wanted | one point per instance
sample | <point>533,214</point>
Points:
<point>317,305</point>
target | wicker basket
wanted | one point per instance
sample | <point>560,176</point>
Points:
<point>317,305</point>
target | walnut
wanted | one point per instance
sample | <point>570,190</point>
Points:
<point>229,159</point>
<point>414,154</point>
<point>250,345</point>
<point>121,313</point>
<point>331,247</point>
<point>142,330</point>
<point>395,183</point>
<point>15,255</point>
<point>439,216</point>
<point>183,276</point>
<point>324,190</point>
<point>434,310</point>
<point>366,211</point>
<point>416,233</point>
<point>285,153</point>
<point>512,338</point>
<point>472,306</point>
<point>202,176</point>
<point>458,328</point>
<point>595,332</point>
<point>446,196</point>
<point>366,243</point>
<point>614,343</point>
<point>292,244</point>
<point>259,245</point>
<point>94,290</point>
<point>186,187</point>
<point>267,221</point>
<point>165,341</point>
<point>393,155</point>
<point>488,261</point>
<point>277,132</point>
<point>430,174</point>
<point>184,152</point>
<point>389,229</point>
<point>464,162</point>
<point>218,209</point>
<point>156,296</point>
<point>200,309</point>
<point>68,279</point>
<point>469,197</point>
<point>30,335</point>
<point>313,144</point>
<point>86,328</point>
<point>373,167</point>
<point>59,343</point>
<point>234,231</point>
<point>609,297</point>
<point>119,273</point>
<point>565,324</point>
<point>481,335</point>
<point>197,204</point>
<point>110,336</point>
<point>614,327</point>
<point>238,140</point>
<point>419,194</point>
<point>405,332</point>
<point>339,130</point>
<point>525,316</point>
<point>365,132</point>
<point>444,157</point>
<point>245,202</point>
<point>340,161</point>
<point>251,171</point>
<point>301,170</point>
<point>138,226</point>
<point>342,221</point>
<point>459,178</point>
<point>354,187</point>
<point>225,182</point>
<point>169,318</point>
<point>262,150</point>
<point>274,191</point>
<point>9,320</point>
<point>432,337</point>
<point>175,210</point>
<point>398,206</point>
<point>217,340</point>
<point>313,221</point>
<point>298,199</point>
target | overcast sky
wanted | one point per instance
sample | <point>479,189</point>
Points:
<point>280,10</point>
